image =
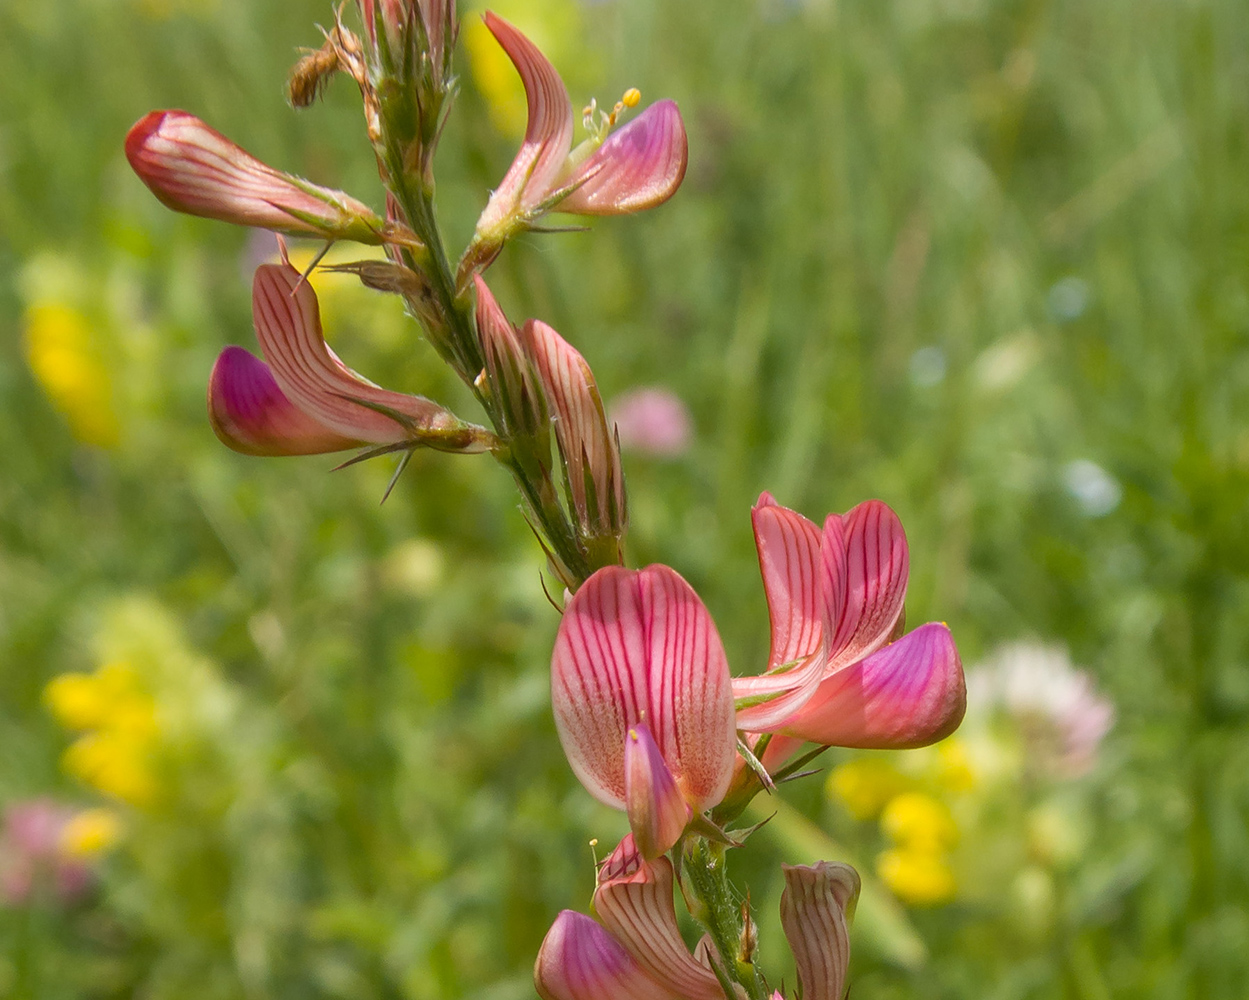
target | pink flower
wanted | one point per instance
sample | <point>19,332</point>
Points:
<point>32,851</point>
<point>635,949</point>
<point>638,166</point>
<point>840,672</point>
<point>652,421</point>
<point>642,699</point>
<point>304,400</point>
<point>195,169</point>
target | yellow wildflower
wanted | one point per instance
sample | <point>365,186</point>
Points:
<point>91,832</point>
<point>917,875</point>
<point>954,772</point>
<point>63,354</point>
<point>114,763</point>
<point>918,821</point>
<point>865,784</point>
<point>495,77</point>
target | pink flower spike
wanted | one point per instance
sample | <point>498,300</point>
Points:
<point>815,907</point>
<point>638,166</point>
<point>548,136</point>
<point>195,169</point>
<point>288,325</point>
<point>657,811</point>
<point>909,694</point>
<point>638,912</point>
<point>638,645</point>
<point>579,960</point>
<point>250,414</point>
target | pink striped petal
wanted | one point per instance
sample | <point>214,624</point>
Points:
<point>877,565</point>
<point>908,694</point>
<point>579,960</point>
<point>638,166</point>
<point>657,811</point>
<point>638,912</point>
<point>250,414</point>
<point>195,169</point>
<point>288,325</point>
<point>639,646</point>
<point>814,916</point>
<point>789,559</point>
<point>548,135</point>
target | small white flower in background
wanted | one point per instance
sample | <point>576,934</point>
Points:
<point>1069,298</point>
<point>928,367</point>
<point>1094,489</point>
<point>1062,716</point>
<point>653,421</point>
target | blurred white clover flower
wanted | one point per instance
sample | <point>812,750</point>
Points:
<point>1062,717</point>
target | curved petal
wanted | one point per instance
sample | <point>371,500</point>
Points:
<point>193,168</point>
<point>657,811</point>
<point>638,166</point>
<point>548,134</point>
<point>579,960</point>
<point>250,414</point>
<point>908,694</point>
<point>638,912</point>
<point>789,560</point>
<point>288,325</point>
<point>876,570</point>
<point>814,908</point>
<point>638,645</point>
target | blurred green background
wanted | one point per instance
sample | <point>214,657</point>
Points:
<point>985,259</point>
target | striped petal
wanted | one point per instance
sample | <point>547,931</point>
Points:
<point>195,169</point>
<point>250,414</point>
<point>908,694</point>
<point>548,134</point>
<point>814,915</point>
<point>639,646</point>
<point>876,568</point>
<point>657,811</point>
<point>638,166</point>
<point>789,559</point>
<point>288,325</point>
<point>638,912</point>
<point>579,960</point>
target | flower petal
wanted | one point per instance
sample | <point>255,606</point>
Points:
<point>638,912</point>
<point>195,169</point>
<point>657,811</point>
<point>250,414</point>
<point>813,914</point>
<point>288,325</point>
<point>579,960</point>
<point>876,570</point>
<point>908,694</point>
<point>548,135</point>
<point>640,645</point>
<point>789,559</point>
<point>638,166</point>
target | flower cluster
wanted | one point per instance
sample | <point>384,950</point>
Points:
<point>49,845</point>
<point>648,714</point>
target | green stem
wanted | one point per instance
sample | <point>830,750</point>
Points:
<point>713,904</point>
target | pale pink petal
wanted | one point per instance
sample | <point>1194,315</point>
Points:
<point>640,165</point>
<point>639,646</point>
<point>876,571</point>
<point>638,912</point>
<point>908,694</point>
<point>789,559</point>
<point>579,960</point>
<point>548,135</point>
<point>250,414</point>
<point>657,811</point>
<point>814,908</point>
<point>766,700</point>
<point>195,169</point>
<point>288,325</point>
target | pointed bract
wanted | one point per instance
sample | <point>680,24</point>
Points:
<point>250,414</point>
<point>638,166</point>
<point>657,811</point>
<point>579,960</point>
<point>815,907</point>
<point>639,646</point>
<point>195,169</point>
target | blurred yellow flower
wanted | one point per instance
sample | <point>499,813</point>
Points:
<point>495,77</point>
<point>64,357</point>
<point>918,821</point>
<point>114,763</point>
<point>919,876</point>
<point>953,770</point>
<point>91,832</point>
<point>865,784</point>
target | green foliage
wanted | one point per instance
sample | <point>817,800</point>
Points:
<point>934,251</point>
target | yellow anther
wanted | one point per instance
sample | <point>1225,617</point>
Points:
<point>631,97</point>
<point>587,111</point>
